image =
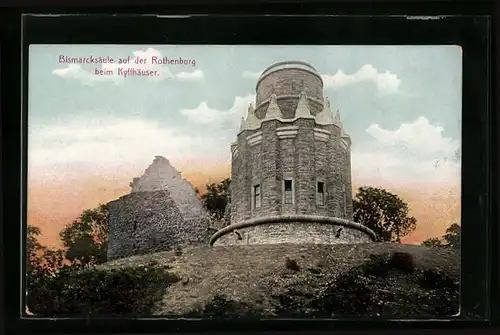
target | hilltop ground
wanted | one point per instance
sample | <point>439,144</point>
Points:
<point>382,279</point>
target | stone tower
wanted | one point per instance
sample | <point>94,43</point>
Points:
<point>291,165</point>
<point>292,155</point>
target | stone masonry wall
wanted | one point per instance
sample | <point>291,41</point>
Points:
<point>161,212</point>
<point>288,107</point>
<point>340,175</point>
<point>299,233</point>
<point>287,168</point>
<point>271,188</point>
<point>307,151</point>
<point>289,81</point>
<point>331,185</point>
<point>323,172</point>
<point>146,222</point>
<point>239,182</point>
<point>304,159</point>
<point>305,184</point>
<point>348,182</point>
<point>160,175</point>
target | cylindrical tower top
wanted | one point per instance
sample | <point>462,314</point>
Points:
<point>300,65</point>
<point>289,78</point>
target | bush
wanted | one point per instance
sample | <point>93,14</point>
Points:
<point>376,289</point>
<point>402,261</point>
<point>292,264</point>
<point>434,279</point>
<point>219,306</point>
<point>120,292</point>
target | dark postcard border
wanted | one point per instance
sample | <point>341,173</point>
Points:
<point>369,7</point>
<point>472,33</point>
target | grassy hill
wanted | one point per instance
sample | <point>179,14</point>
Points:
<point>382,279</point>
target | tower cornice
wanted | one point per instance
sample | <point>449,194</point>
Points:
<point>288,96</point>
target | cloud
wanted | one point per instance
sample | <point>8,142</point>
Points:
<point>75,71</point>
<point>203,114</point>
<point>107,144</point>
<point>386,82</point>
<point>420,138</point>
<point>251,75</point>
<point>196,75</point>
<point>415,151</point>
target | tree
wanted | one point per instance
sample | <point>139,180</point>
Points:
<point>432,242</point>
<point>450,239</point>
<point>383,212</point>
<point>39,257</point>
<point>452,236</point>
<point>86,238</point>
<point>216,198</point>
<point>42,263</point>
<point>33,248</point>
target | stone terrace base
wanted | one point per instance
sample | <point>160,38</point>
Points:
<point>299,229</point>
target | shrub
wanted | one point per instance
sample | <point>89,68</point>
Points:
<point>92,291</point>
<point>376,288</point>
<point>292,264</point>
<point>434,279</point>
<point>402,261</point>
<point>219,306</point>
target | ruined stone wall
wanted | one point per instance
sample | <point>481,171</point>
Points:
<point>299,233</point>
<point>147,222</point>
<point>160,175</point>
<point>226,221</point>
<point>162,212</point>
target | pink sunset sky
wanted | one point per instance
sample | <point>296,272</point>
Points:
<point>434,205</point>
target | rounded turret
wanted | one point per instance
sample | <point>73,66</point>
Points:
<point>287,80</point>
